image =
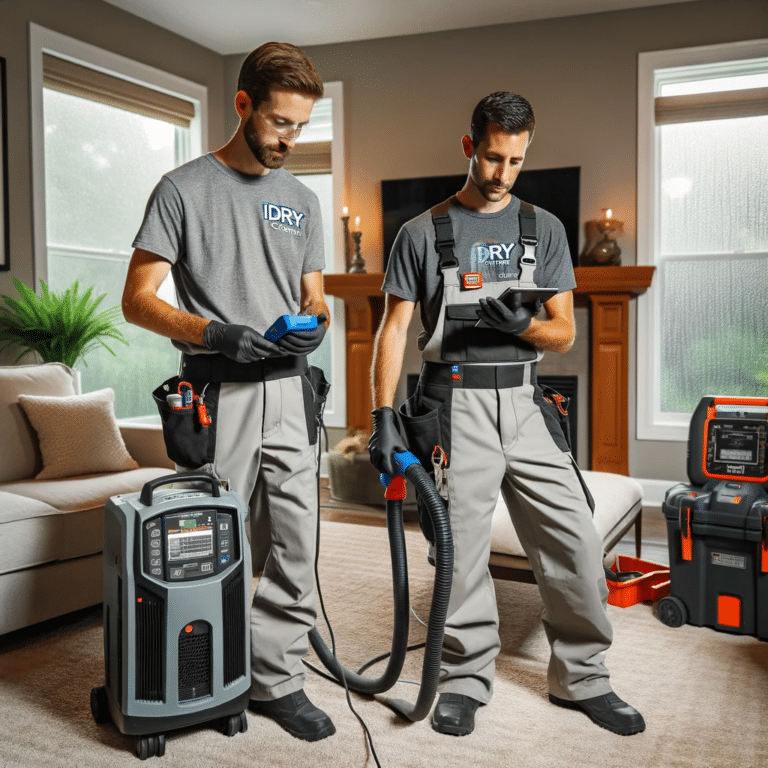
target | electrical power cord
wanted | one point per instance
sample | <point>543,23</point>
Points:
<point>366,730</point>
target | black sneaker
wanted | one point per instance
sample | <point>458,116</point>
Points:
<point>455,714</point>
<point>608,711</point>
<point>297,715</point>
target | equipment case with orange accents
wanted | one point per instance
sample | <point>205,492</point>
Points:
<point>718,557</point>
<point>718,525</point>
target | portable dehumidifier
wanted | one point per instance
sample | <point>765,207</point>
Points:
<point>718,525</point>
<point>177,578</point>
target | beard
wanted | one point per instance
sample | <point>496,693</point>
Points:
<point>271,156</point>
<point>490,190</point>
<point>493,192</point>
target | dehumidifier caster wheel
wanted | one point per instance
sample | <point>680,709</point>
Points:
<point>150,746</point>
<point>100,705</point>
<point>672,611</point>
<point>235,724</point>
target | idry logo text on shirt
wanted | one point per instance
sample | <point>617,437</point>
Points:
<point>283,218</point>
<point>493,252</point>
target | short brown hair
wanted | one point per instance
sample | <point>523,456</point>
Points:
<point>278,65</point>
<point>510,112</point>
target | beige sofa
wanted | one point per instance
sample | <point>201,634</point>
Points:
<point>51,526</point>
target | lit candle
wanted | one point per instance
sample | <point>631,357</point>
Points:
<point>345,210</point>
<point>608,213</point>
<point>357,222</point>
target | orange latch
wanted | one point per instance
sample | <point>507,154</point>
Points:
<point>685,533</point>
<point>764,547</point>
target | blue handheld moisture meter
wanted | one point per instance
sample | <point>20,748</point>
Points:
<point>290,324</point>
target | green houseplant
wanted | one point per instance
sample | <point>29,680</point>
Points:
<point>60,327</point>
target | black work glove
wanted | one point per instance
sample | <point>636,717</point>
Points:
<point>303,342</point>
<point>239,342</point>
<point>385,441</point>
<point>514,318</point>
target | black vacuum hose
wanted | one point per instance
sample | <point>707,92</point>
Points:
<point>438,514</point>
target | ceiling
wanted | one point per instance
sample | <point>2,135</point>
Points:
<point>238,26</point>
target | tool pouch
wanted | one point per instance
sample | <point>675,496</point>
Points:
<point>315,388</point>
<point>188,442</point>
<point>555,408</point>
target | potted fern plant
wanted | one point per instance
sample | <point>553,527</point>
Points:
<point>59,327</point>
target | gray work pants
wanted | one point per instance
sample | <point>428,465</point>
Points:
<point>263,449</point>
<point>499,441</point>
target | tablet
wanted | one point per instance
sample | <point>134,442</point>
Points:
<point>528,295</point>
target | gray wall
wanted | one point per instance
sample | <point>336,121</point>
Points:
<point>105,26</point>
<point>408,102</point>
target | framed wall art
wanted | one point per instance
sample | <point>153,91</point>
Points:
<point>5,240</point>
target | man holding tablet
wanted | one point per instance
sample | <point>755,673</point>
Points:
<point>481,265</point>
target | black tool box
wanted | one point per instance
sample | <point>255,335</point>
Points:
<point>717,526</point>
<point>718,559</point>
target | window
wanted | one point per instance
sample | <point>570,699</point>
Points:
<point>703,222</point>
<point>109,129</point>
<point>318,160</point>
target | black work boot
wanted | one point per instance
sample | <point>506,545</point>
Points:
<point>608,711</point>
<point>297,715</point>
<point>455,714</point>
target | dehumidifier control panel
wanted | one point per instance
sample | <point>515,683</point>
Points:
<point>736,448</point>
<point>188,545</point>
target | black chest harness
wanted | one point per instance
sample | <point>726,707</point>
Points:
<point>457,338</point>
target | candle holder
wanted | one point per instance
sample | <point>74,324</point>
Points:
<point>345,223</point>
<point>358,265</point>
<point>605,252</point>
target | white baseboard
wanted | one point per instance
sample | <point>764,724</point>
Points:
<point>654,491</point>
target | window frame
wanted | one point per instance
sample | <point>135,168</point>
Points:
<point>650,424</point>
<point>335,414</point>
<point>42,40</point>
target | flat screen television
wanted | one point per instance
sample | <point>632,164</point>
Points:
<point>554,189</point>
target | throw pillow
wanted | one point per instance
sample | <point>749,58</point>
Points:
<point>78,435</point>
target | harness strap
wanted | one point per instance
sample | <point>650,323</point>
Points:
<point>529,240</point>
<point>444,241</point>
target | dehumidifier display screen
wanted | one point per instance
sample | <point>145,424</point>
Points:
<point>191,539</point>
<point>736,446</point>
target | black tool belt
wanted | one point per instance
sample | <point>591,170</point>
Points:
<point>220,368</point>
<point>476,376</point>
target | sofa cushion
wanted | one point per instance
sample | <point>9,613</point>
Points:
<point>78,504</point>
<point>19,452</point>
<point>30,532</point>
<point>616,497</point>
<point>78,435</point>
<point>74,494</point>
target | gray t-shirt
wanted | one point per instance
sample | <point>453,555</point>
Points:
<point>238,244</point>
<point>485,242</point>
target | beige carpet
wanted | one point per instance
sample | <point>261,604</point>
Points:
<point>704,694</point>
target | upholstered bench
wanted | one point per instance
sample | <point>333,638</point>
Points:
<point>618,503</point>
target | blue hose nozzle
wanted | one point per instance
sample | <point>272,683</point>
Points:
<point>401,462</point>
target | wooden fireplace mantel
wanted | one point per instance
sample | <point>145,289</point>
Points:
<point>363,309</point>
<point>608,291</point>
<point>605,290</point>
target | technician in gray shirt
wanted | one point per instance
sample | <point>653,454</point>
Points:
<point>480,413</point>
<point>243,240</point>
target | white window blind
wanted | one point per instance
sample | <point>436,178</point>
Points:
<point>66,76</point>
<point>310,158</point>
<point>719,105</point>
